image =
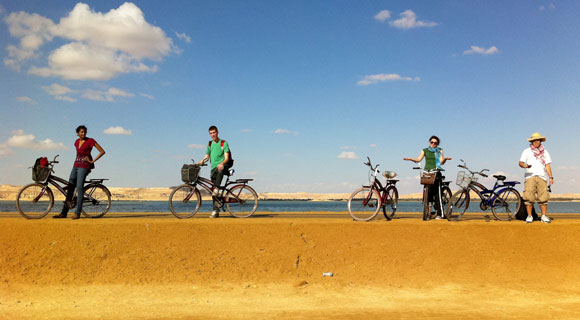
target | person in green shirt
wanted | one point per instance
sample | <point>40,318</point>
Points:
<point>218,151</point>
<point>434,159</point>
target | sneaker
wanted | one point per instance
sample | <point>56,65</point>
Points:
<point>546,219</point>
<point>529,219</point>
<point>215,214</point>
<point>215,192</point>
<point>438,218</point>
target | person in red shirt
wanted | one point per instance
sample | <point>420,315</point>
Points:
<point>81,168</point>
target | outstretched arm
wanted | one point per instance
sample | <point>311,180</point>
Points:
<point>442,159</point>
<point>418,159</point>
<point>204,160</point>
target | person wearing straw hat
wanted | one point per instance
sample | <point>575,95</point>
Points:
<point>536,160</point>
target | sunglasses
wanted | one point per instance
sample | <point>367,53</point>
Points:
<point>433,142</point>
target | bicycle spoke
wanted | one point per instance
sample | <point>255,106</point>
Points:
<point>506,204</point>
<point>34,201</point>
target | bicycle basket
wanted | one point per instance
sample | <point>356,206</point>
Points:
<point>40,174</point>
<point>189,173</point>
<point>428,177</point>
<point>464,179</point>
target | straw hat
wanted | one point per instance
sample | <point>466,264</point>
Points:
<point>537,136</point>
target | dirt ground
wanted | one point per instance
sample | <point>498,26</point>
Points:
<point>123,267</point>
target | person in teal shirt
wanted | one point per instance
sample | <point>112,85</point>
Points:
<point>218,151</point>
<point>434,159</point>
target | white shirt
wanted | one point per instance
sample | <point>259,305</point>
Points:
<point>538,168</point>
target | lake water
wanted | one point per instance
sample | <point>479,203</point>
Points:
<point>287,206</point>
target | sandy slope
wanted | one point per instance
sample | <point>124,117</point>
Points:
<point>265,267</point>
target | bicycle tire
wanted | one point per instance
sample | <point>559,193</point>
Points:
<point>457,205</point>
<point>506,204</point>
<point>364,204</point>
<point>96,201</point>
<point>30,206</point>
<point>391,201</point>
<point>426,209</point>
<point>184,201</point>
<point>446,194</point>
<point>241,203</point>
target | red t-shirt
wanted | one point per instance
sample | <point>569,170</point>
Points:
<point>82,152</point>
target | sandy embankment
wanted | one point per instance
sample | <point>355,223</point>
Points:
<point>264,268</point>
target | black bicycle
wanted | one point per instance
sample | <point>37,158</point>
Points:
<point>240,200</point>
<point>35,200</point>
<point>437,203</point>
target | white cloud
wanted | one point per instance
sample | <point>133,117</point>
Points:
<point>117,131</point>
<point>372,145</point>
<point>148,96</point>
<point>183,37</point>
<point>65,98</point>
<point>383,15</point>
<point>382,77</point>
<point>483,51</point>
<point>285,131</point>
<point>551,6</point>
<point>26,100</point>
<point>347,147</point>
<point>246,130</point>
<point>408,20</point>
<point>348,155</point>
<point>56,89</point>
<point>196,146</point>
<point>108,96</point>
<point>100,45</point>
<point>20,139</point>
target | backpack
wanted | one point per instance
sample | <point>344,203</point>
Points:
<point>522,214</point>
<point>230,162</point>
<point>40,170</point>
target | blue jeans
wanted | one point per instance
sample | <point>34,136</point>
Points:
<point>77,179</point>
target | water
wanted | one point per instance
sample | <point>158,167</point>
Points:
<point>287,206</point>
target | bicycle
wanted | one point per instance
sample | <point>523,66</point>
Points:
<point>35,200</point>
<point>364,203</point>
<point>240,200</point>
<point>501,199</point>
<point>441,197</point>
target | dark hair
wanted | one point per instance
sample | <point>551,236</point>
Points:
<point>436,138</point>
<point>212,128</point>
<point>79,128</point>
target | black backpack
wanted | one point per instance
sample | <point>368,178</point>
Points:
<point>230,162</point>
<point>522,214</point>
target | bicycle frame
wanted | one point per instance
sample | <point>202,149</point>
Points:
<point>208,185</point>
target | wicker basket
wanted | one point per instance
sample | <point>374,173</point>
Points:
<point>464,179</point>
<point>189,173</point>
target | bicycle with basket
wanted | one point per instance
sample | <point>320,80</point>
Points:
<point>35,200</point>
<point>504,200</point>
<point>240,200</point>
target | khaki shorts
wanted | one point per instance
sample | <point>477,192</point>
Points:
<point>536,189</point>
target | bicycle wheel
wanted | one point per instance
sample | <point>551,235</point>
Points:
<point>391,202</point>
<point>446,197</point>
<point>241,201</point>
<point>506,204</point>
<point>184,201</point>
<point>96,201</point>
<point>457,205</point>
<point>34,201</point>
<point>364,204</point>
<point>426,209</point>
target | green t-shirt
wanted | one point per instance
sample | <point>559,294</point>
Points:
<point>429,159</point>
<point>216,154</point>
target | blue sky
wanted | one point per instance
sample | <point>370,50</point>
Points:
<point>302,90</point>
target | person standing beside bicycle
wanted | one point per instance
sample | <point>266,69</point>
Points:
<point>536,160</point>
<point>81,168</point>
<point>218,151</point>
<point>434,159</point>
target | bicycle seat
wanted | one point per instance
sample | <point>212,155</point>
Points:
<point>230,172</point>
<point>499,177</point>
